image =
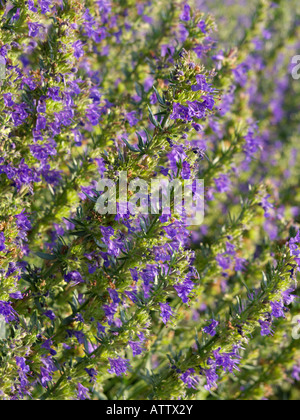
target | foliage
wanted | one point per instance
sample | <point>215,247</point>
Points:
<point>125,306</point>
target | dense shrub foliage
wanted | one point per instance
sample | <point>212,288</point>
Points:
<point>125,306</point>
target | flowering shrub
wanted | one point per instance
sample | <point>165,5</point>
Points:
<point>129,305</point>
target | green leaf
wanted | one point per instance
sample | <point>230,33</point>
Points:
<point>48,257</point>
<point>130,147</point>
<point>161,100</point>
<point>152,119</point>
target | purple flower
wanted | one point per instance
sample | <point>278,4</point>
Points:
<point>22,175</point>
<point>198,109</point>
<point>277,309</point>
<point>8,99</point>
<point>131,118</point>
<point>53,93</point>
<point>241,74</point>
<point>294,248</point>
<point>223,261</point>
<point>51,177</point>
<point>132,295</point>
<point>16,296</point>
<point>186,170</point>
<point>222,184</point>
<point>153,99</point>
<point>230,249</point>
<point>148,83</point>
<point>41,123</point>
<point>253,143</point>
<point>11,269</point>
<point>186,13</point>
<point>31,6</point>
<point>118,366</point>
<point>167,50</point>
<point>45,377</point>
<point>265,328</point>
<point>2,242</point>
<point>41,107</point>
<point>19,115</point>
<point>64,118</point>
<point>148,19</point>
<point>134,274</point>
<point>47,346</point>
<point>78,49</point>
<point>23,222</point>
<point>47,370</point>
<point>29,82</point>
<point>114,296</point>
<point>50,315</point>
<point>74,277</point>
<point>82,392</point>
<point>183,33</point>
<point>211,329</point>
<point>78,137</point>
<point>149,273</point>
<point>108,233</point>
<point>166,312</point>
<point>101,166</point>
<point>100,329</point>
<point>43,152</point>
<point>141,336</point>
<point>93,114</point>
<point>45,6</point>
<point>184,290</point>
<point>296,373</point>
<point>23,370</point>
<point>240,264</point>
<point>16,16</point>
<point>21,363</point>
<point>202,26</point>
<point>92,374</point>
<point>288,298</point>
<point>190,379</point>
<point>176,157</point>
<point>79,335</point>
<point>211,377</point>
<point>110,311</point>
<point>227,361</point>
<point>201,84</point>
<point>34,29</point>
<point>267,206</point>
<point>136,348</point>
<point>7,312</point>
<point>180,112</point>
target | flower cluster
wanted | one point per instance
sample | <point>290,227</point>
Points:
<point>132,303</point>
